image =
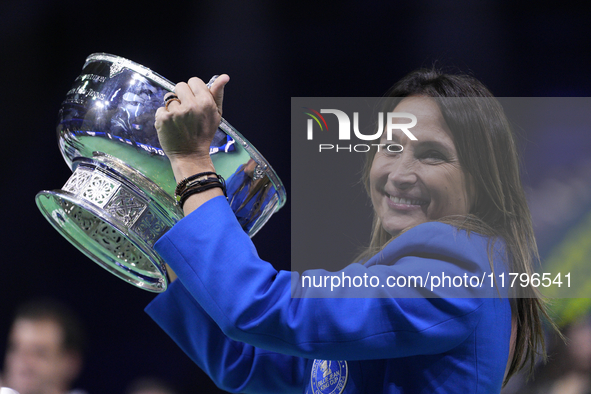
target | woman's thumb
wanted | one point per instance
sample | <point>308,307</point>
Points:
<point>217,90</point>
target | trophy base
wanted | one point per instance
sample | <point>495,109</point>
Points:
<point>113,221</point>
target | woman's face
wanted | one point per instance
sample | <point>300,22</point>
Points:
<point>425,181</point>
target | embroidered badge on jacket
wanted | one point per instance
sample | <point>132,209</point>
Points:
<point>329,377</point>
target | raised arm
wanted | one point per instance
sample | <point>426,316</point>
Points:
<point>252,302</point>
<point>186,128</point>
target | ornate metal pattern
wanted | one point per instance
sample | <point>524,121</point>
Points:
<point>107,237</point>
<point>84,219</point>
<point>121,248</point>
<point>99,189</point>
<point>121,203</point>
<point>150,227</point>
<point>77,180</point>
<point>126,206</point>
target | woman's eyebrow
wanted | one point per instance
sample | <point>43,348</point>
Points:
<point>429,143</point>
<point>384,138</point>
<point>434,144</point>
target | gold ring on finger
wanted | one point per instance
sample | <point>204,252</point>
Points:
<point>170,100</point>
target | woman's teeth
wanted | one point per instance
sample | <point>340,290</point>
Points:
<point>406,201</point>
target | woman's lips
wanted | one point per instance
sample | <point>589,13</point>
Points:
<point>403,203</point>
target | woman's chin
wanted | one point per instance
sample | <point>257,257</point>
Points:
<point>395,229</point>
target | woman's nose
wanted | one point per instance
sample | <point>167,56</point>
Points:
<point>403,172</point>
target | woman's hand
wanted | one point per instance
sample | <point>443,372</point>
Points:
<point>186,128</point>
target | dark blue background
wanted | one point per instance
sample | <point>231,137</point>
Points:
<point>272,51</point>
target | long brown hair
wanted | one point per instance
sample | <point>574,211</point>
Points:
<point>487,152</point>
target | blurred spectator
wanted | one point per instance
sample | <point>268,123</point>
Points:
<point>44,352</point>
<point>575,360</point>
<point>149,386</point>
<point>568,370</point>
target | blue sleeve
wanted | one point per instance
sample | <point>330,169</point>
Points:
<point>252,303</point>
<point>233,366</point>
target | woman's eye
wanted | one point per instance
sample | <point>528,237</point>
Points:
<point>387,152</point>
<point>434,155</point>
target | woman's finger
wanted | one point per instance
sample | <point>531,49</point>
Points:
<point>197,86</point>
<point>168,95</point>
<point>217,90</point>
<point>184,92</point>
<point>171,102</point>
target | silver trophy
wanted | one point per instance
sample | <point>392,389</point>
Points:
<point>119,200</point>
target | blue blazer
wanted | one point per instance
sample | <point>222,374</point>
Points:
<point>255,330</point>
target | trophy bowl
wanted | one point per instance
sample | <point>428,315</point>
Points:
<point>119,200</point>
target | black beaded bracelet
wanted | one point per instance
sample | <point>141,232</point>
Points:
<point>180,188</point>
<point>198,189</point>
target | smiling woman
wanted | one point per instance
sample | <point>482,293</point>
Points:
<point>425,180</point>
<point>465,172</point>
<point>449,204</point>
